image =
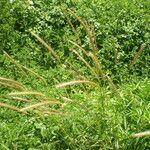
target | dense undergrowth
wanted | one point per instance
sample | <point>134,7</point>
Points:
<point>74,75</point>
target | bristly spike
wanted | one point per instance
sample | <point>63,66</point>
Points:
<point>64,84</point>
<point>36,105</point>
<point>142,134</point>
<point>10,107</point>
<point>88,30</point>
<point>26,93</point>
<point>11,83</point>
<point>46,45</point>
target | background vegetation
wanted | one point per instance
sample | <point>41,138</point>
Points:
<point>103,44</point>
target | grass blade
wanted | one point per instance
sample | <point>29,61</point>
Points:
<point>68,100</point>
<point>80,75</point>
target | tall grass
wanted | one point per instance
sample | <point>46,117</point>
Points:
<point>96,68</point>
<point>95,117</point>
<point>23,68</point>
<point>22,94</point>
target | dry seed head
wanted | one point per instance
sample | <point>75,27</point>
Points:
<point>88,30</point>
<point>21,99</point>
<point>141,134</point>
<point>84,51</point>
<point>61,85</point>
<point>12,83</point>
<point>25,93</point>
<point>137,54</point>
<point>34,73</point>
<point>35,105</point>
<point>72,27</point>
<point>53,101</point>
<point>52,112</point>
<point>10,107</point>
<point>86,63</point>
<point>46,45</point>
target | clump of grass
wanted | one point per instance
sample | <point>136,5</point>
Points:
<point>96,68</point>
<point>17,95</point>
<point>96,71</point>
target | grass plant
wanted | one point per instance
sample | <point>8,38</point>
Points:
<point>79,107</point>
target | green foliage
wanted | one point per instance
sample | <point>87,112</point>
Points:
<point>120,27</point>
<point>44,43</point>
<point>105,122</point>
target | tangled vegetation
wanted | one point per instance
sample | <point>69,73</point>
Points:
<point>74,75</point>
